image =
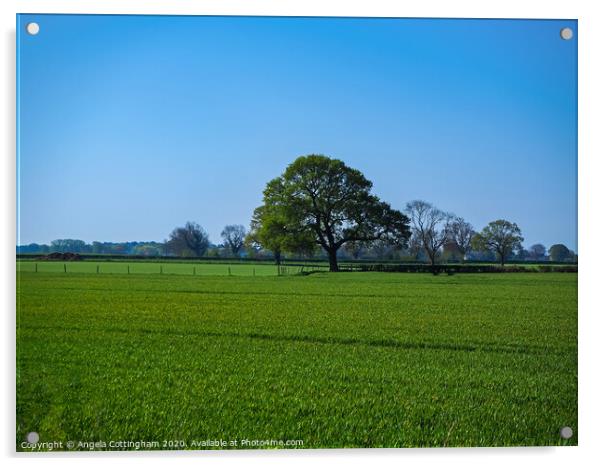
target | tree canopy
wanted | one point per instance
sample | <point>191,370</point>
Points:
<point>189,240</point>
<point>460,234</point>
<point>430,227</point>
<point>537,252</point>
<point>234,237</point>
<point>321,201</point>
<point>501,237</point>
<point>560,253</point>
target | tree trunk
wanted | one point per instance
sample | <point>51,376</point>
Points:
<point>433,259</point>
<point>332,260</point>
<point>277,257</point>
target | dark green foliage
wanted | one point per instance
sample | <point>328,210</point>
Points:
<point>501,237</point>
<point>537,252</point>
<point>234,238</point>
<point>322,201</point>
<point>189,240</point>
<point>560,253</point>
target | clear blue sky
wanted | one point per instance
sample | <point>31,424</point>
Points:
<point>132,125</point>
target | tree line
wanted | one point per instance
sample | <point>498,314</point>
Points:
<point>321,208</point>
<point>321,203</point>
<point>191,240</point>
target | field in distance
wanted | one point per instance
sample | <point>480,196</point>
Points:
<point>152,267</point>
<point>248,267</point>
<point>333,360</point>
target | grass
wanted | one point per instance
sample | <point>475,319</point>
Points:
<point>334,360</point>
<point>143,267</point>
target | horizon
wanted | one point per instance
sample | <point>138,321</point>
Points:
<point>190,117</point>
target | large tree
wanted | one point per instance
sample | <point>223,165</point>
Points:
<point>234,238</point>
<point>430,227</point>
<point>324,200</point>
<point>189,240</point>
<point>501,237</point>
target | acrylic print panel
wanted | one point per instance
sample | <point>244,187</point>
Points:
<point>267,232</point>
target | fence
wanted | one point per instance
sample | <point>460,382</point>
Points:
<point>131,268</point>
<point>263,269</point>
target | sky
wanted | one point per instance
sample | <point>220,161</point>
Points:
<point>129,126</point>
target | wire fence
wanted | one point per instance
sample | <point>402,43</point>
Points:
<point>203,269</point>
<point>264,269</point>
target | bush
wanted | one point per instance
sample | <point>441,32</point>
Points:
<point>451,269</point>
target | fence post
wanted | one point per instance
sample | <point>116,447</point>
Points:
<point>253,271</point>
<point>229,271</point>
<point>193,270</point>
<point>128,269</point>
<point>65,267</point>
<point>36,264</point>
<point>98,269</point>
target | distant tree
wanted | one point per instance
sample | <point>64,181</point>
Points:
<point>460,233</point>
<point>537,252</point>
<point>430,227</point>
<point>148,249</point>
<point>416,250</point>
<point>383,250</point>
<point>97,247</point>
<point>213,251</point>
<point>117,248</point>
<point>482,256</point>
<point>354,249</point>
<point>521,253</point>
<point>234,238</point>
<point>32,248</point>
<point>323,199</point>
<point>499,236</point>
<point>69,245</point>
<point>188,240</point>
<point>451,252</point>
<point>560,253</point>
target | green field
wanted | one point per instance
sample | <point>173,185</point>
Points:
<point>167,268</point>
<point>334,360</point>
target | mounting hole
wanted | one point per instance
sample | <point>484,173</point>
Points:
<point>566,432</point>
<point>566,33</point>
<point>32,28</point>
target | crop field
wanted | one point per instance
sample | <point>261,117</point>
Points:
<point>319,361</point>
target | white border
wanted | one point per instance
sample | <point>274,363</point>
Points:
<point>590,185</point>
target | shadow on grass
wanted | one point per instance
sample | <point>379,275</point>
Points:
<point>490,347</point>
